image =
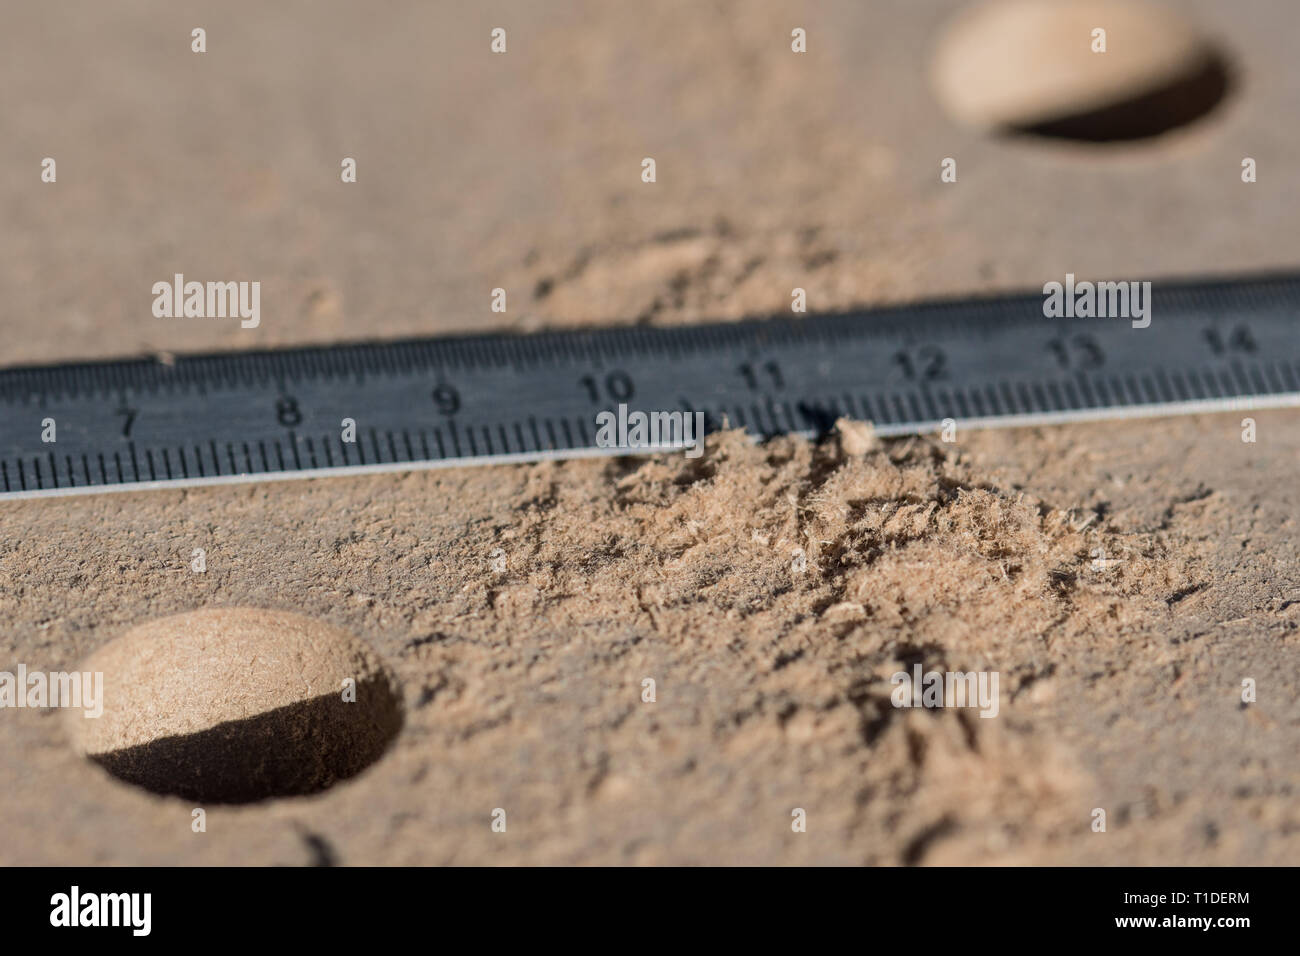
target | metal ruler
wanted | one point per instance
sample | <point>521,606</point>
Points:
<point>509,398</point>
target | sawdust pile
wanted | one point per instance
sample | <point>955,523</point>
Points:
<point>771,592</point>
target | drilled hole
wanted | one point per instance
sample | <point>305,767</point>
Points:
<point>1180,103</point>
<point>1083,70</point>
<point>238,705</point>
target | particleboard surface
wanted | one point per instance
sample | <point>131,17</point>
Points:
<point>1120,688</point>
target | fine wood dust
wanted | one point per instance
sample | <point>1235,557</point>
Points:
<point>771,592</point>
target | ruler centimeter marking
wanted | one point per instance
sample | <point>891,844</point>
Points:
<point>486,399</point>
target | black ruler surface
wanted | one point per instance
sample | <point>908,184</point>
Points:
<point>424,403</point>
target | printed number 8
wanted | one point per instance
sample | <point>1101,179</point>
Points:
<point>286,410</point>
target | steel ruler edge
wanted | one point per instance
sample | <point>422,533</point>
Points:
<point>140,424</point>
